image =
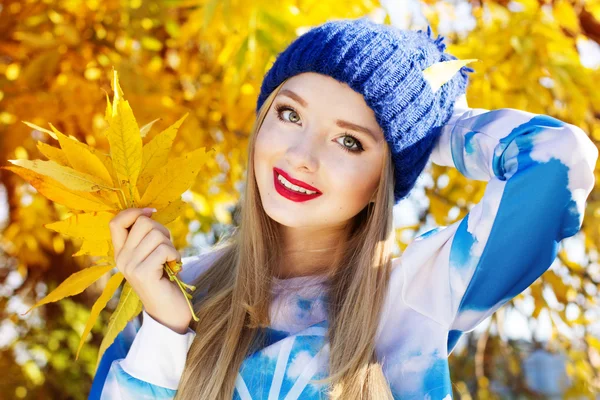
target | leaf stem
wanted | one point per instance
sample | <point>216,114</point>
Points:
<point>123,198</point>
<point>183,287</point>
<point>131,192</point>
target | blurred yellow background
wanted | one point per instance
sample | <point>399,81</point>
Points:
<point>208,58</point>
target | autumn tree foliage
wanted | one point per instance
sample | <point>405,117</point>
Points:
<point>207,59</point>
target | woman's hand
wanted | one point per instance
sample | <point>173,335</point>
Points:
<point>142,246</point>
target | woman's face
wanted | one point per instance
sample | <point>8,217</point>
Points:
<point>315,133</point>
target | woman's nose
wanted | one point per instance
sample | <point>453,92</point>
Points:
<point>303,153</point>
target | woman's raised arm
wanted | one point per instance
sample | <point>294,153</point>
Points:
<point>540,172</point>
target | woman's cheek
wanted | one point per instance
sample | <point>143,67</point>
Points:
<point>356,180</point>
<point>269,140</point>
<point>263,143</point>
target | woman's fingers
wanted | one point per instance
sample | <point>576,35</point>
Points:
<point>150,242</point>
<point>119,225</point>
<point>142,247</point>
<point>142,226</point>
<point>161,254</point>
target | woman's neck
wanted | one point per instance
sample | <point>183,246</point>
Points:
<point>308,251</point>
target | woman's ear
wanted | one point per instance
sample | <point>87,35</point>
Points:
<point>373,197</point>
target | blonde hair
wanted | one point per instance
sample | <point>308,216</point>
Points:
<point>233,296</point>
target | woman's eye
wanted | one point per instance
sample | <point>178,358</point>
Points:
<point>293,115</point>
<point>348,141</point>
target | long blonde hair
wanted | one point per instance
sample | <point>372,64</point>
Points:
<point>233,296</point>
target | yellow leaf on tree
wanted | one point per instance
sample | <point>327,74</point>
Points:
<point>566,16</point>
<point>573,266</point>
<point>129,306</point>
<point>438,208</point>
<point>593,341</point>
<point>107,294</point>
<point>91,226</point>
<point>74,284</point>
<point>538,300</point>
<point>174,178</point>
<point>558,285</point>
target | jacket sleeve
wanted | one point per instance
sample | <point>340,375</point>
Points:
<point>148,364</point>
<point>539,173</point>
<point>153,365</point>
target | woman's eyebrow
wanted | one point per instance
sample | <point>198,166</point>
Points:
<point>349,125</point>
<point>341,123</point>
<point>292,95</point>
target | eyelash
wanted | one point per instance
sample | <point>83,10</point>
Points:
<point>281,107</point>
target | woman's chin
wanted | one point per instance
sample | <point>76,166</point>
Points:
<point>285,216</point>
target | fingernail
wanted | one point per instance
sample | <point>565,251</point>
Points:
<point>147,209</point>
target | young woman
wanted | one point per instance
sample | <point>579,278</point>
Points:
<point>303,300</point>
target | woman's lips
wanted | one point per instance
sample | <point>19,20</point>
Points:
<point>296,182</point>
<point>290,194</point>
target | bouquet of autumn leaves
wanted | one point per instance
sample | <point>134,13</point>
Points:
<point>96,186</point>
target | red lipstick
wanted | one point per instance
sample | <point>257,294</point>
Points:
<point>290,194</point>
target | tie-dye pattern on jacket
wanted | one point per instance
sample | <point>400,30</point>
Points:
<point>539,172</point>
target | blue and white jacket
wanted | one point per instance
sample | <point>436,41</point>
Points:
<point>540,172</point>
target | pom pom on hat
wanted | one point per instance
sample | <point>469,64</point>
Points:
<point>385,65</point>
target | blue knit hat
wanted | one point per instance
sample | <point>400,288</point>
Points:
<point>385,65</point>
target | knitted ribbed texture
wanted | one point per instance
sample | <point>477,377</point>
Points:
<point>385,65</point>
